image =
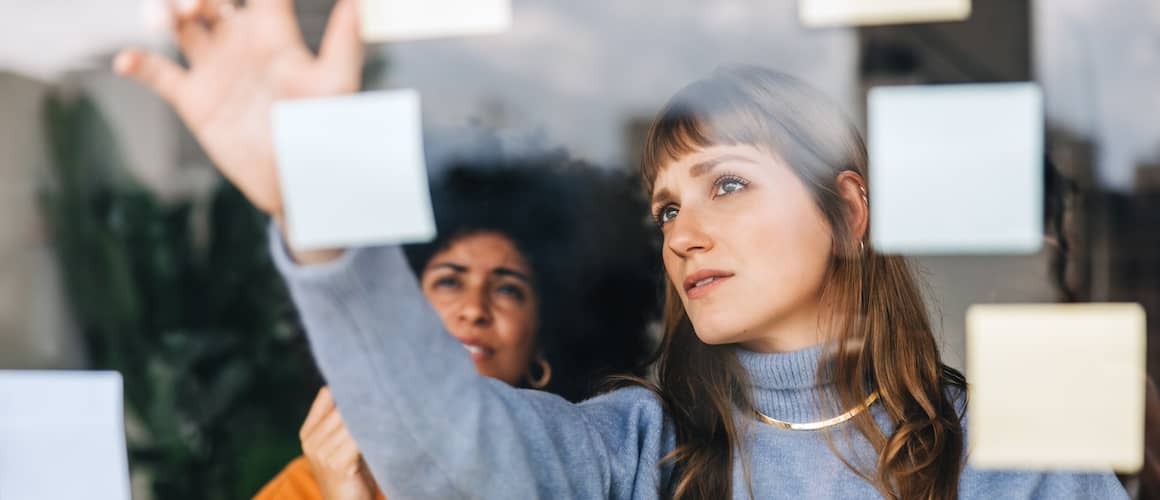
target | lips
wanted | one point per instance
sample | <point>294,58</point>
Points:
<point>479,351</point>
<point>703,281</point>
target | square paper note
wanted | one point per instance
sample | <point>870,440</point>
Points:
<point>820,13</point>
<point>352,170</point>
<point>1056,386</point>
<point>62,436</point>
<point>956,169</point>
<point>393,20</point>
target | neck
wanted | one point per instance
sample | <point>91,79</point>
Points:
<point>799,330</point>
<point>788,386</point>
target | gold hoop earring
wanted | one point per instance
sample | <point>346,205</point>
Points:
<point>862,247</point>
<point>545,374</point>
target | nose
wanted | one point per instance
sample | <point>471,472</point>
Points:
<point>475,309</point>
<point>687,235</point>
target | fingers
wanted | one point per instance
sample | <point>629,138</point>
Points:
<point>340,453</point>
<point>274,6</point>
<point>323,424</point>
<point>322,406</point>
<point>199,11</point>
<point>364,472</point>
<point>194,39</point>
<point>202,19</point>
<point>342,46</point>
<point>326,430</point>
<point>319,438</point>
<point>196,23</point>
<point>328,445</point>
<point>339,456</point>
<point>158,73</point>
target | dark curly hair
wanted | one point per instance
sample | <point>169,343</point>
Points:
<point>584,232</point>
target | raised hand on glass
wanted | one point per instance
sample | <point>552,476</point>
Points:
<point>241,61</point>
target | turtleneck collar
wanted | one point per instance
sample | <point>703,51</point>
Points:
<point>783,370</point>
<point>786,385</point>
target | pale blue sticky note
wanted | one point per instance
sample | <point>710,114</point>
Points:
<point>62,436</point>
<point>352,170</point>
<point>956,169</point>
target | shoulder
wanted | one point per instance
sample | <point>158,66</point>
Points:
<point>632,395</point>
<point>295,482</point>
<point>632,417</point>
<point>631,405</point>
<point>637,434</point>
<point>616,416</point>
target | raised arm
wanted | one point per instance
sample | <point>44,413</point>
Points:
<point>427,424</point>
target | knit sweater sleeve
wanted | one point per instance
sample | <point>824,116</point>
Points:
<point>429,426</point>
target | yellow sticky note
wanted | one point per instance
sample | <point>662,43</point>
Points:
<point>395,20</point>
<point>1056,386</point>
<point>822,13</point>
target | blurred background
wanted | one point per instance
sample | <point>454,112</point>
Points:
<point>120,247</point>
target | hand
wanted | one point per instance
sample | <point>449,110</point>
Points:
<point>242,60</point>
<point>333,455</point>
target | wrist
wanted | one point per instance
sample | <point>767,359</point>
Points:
<point>304,257</point>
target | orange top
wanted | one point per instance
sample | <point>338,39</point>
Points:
<point>295,482</point>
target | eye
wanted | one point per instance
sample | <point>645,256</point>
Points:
<point>512,291</point>
<point>446,282</point>
<point>729,184</point>
<point>665,214</point>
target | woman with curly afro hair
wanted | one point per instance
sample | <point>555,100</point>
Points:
<point>522,274</point>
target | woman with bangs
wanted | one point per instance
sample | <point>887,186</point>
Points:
<point>796,361</point>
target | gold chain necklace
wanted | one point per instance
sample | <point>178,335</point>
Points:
<point>822,424</point>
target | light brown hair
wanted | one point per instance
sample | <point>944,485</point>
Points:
<point>881,338</point>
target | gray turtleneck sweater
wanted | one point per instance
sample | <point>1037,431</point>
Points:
<point>430,426</point>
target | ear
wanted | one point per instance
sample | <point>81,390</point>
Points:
<point>855,198</point>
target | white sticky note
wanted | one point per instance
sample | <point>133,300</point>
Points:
<point>62,436</point>
<point>393,20</point>
<point>352,170</point>
<point>956,169</point>
<point>824,13</point>
<point>1056,387</point>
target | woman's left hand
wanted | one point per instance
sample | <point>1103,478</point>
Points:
<point>333,455</point>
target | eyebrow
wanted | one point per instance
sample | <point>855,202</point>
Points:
<point>699,169</point>
<point>662,196</point>
<point>512,273</point>
<point>706,166</point>
<point>499,271</point>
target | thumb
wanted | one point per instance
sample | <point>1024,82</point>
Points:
<point>364,473</point>
<point>342,46</point>
<point>159,74</point>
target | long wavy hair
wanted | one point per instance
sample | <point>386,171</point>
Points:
<point>880,337</point>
